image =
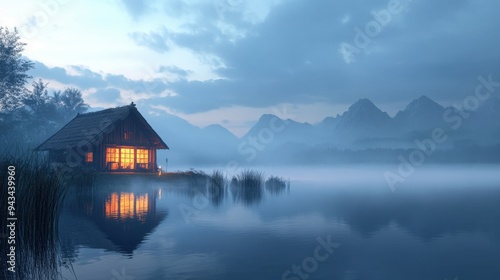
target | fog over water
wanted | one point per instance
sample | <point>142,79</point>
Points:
<point>441,223</point>
<point>431,174</point>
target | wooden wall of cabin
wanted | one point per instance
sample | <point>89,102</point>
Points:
<point>100,160</point>
<point>152,153</point>
<point>128,132</point>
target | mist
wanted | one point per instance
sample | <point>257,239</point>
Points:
<point>424,132</point>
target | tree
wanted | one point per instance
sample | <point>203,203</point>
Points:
<point>39,109</point>
<point>46,113</point>
<point>70,103</point>
<point>13,69</point>
<point>29,116</point>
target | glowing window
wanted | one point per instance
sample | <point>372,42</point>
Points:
<point>142,155</point>
<point>127,158</point>
<point>89,157</point>
<point>112,158</point>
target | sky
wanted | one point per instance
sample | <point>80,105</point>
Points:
<point>230,61</point>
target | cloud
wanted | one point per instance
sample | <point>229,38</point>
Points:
<point>107,96</point>
<point>136,8</point>
<point>85,80</point>
<point>293,56</point>
<point>289,52</point>
<point>172,69</point>
<point>156,41</point>
<point>109,89</point>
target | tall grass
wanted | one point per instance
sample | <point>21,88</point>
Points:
<point>276,185</point>
<point>217,187</point>
<point>250,179</point>
<point>246,187</point>
<point>217,179</point>
<point>191,178</point>
<point>39,193</point>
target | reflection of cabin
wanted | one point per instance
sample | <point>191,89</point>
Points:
<point>117,139</point>
<point>117,220</point>
<point>128,218</point>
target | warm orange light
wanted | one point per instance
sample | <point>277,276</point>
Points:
<point>111,206</point>
<point>141,206</point>
<point>127,158</point>
<point>112,158</point>
<point>127,206</point>
<point>142,156</point>
<point>89,157</point>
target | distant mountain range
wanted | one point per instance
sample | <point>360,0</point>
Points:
<point>363,126</point>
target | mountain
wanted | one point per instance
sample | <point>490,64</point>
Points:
<point>329,123</point>
<point>273,131</point>
<point>189,143</point>
<point>362,122</point>
<point>484,124</point>
<point>489,111</point>
<point>420,115</point>
<point>363,115</point>
<point>363,126</point>
<point>325,132</point>
<point>219,132</point>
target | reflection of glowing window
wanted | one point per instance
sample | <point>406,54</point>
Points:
<point>141,206</point>
<point>111,206</point>
<point>126,205</point>
<point>127,158</point>
<point>89,157</point>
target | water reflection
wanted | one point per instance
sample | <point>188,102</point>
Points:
<point>246,195</point>
<point>115,218</point>
<point>383,234</point>
<point>277,186</point>
<point>427,212</point>
<point>123,206</point>
<point>217,193</point>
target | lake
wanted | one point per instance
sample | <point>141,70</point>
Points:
<point>330,223</point>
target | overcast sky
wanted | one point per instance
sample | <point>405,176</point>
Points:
<point>229,61</point>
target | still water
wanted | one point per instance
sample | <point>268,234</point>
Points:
<point>331,223</point>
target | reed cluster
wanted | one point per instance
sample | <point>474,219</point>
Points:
<point>39,193</point>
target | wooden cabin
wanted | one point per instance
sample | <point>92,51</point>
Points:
<point>112,140</point>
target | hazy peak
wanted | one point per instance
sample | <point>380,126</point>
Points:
<point>267,117</point>
<point>364,102</point>
<point>424,103</point>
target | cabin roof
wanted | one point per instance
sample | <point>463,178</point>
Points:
<point>90,127</point>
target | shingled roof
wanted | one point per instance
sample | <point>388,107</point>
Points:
<point>77,131</point>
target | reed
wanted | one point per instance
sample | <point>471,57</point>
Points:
<point>217,179</point>
<point>246,187</point>
<point>216,187</point>
<point>250,179</point>
<point>276,185</point>
<point>39,193</point>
